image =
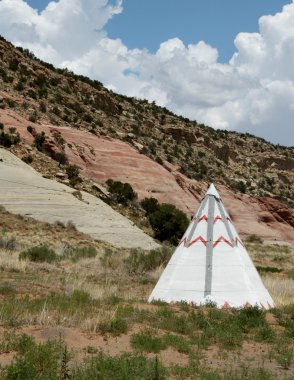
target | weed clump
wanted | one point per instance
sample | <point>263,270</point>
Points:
<point>145,341</point>
<point>254,239</point>
<point>139,262</point>
<point>78,253</point>
<point>115,327</point>
<point>41,253</point>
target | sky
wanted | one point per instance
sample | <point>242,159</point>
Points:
<point>228,64</point>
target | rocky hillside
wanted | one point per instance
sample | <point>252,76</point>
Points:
<point>107,135</point>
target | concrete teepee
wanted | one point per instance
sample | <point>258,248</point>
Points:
<point>211,263</point>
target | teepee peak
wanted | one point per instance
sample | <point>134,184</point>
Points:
<point>212,191</point>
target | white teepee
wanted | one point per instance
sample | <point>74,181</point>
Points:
<point>211,263</point>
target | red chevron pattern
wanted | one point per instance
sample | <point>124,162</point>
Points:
<point>217,218</point>
<point>220,239</point>
<point>199,238</point>
<point>204,217</point>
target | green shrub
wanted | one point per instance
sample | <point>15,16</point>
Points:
<point>147,342</point>
<point>150,205</point>
<point>122,192</point>
<point>35,362</point>
<point>73,172</point>
<point>115,327</point>
<point>9,139</point>
<point>250,317</point>
<point>124,367</point>
<point>28,159</point>
<point>75,254</point>
<point>8,242</point>
<point>39,141</point>
<point>254,239</point>
<point>42,107</point>
<point>30,129</point>
<point>40,253</point>
<point>168,223</point>
<point>61,158</point>
<point>178,342</point>
<point>19,86</point>
<point>139,262</point>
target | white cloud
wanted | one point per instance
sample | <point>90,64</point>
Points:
<point>253,93</point>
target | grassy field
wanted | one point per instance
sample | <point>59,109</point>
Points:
<point>74,308</point>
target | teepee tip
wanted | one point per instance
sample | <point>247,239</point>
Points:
<point>212,191</point>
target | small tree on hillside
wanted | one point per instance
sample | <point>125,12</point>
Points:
<point>150,205</point>
<point>168,223</point>
<point>122,192</point>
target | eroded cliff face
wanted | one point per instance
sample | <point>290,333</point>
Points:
<point>102,157</point>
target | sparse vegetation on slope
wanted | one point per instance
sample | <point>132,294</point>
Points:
<point>43,94</point>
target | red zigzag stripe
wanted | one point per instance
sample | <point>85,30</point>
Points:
<point>218,217</point>
<point>219,240</point>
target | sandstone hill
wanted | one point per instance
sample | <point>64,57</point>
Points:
<point>26,192</point>
<point>160,154</point>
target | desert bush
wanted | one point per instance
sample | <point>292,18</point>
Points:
<point>146,341</point>
<point>28,159</point>
<point>35,362</point>
<point>39,141</point>
<point>110,259</point>
<point>178,342</point>
<point>254,239</point>
<point>78,253</point>
<point>122,192</point>
<point>61,158</point>
<point>40,253</point>
<point>8,242</point>
<point>19,86</point>
<point>115,327</point>
<point>139,262</point>
<point>73,172</point>
<point>168,223</point>
<point>42,107</point>
<point>250,317</point>
<point>150,205</point>
<point>30,129</point>
<point>124,367</point>
<point>9,139</point>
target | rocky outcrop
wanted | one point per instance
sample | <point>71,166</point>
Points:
<point>279,211</point>
<point>278,163</point>
<point>222,152</point>
<point>105,103</point>
<point>180,134</point>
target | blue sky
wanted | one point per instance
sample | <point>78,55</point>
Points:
<point>147,23</point>
<point>225,63</point>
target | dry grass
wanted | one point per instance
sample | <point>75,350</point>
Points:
<point>9,262</point>
<point>102,297</point>
<point>281,289</point>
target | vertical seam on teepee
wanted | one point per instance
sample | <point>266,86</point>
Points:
<point>209,246</point>
<point>225,220</point>
<point>203,204</point>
